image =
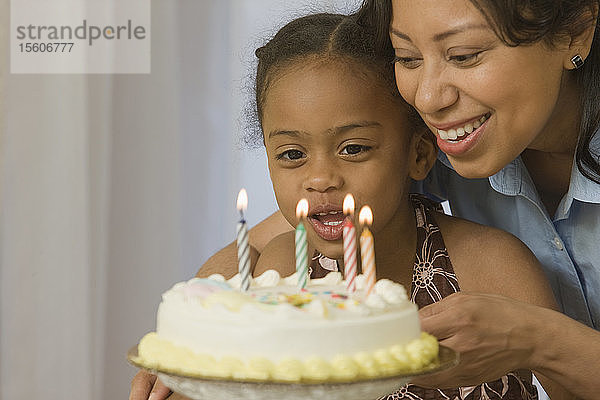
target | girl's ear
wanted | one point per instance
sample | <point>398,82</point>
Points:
<point>423,153</point>
<point>581,44</point>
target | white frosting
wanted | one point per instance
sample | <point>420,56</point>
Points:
<point>360,282</point>
<point>376,301</point>
<point>390,291</point>
<point>268,278</point>
<point>235,282</point>
<point>274,320</point>
<point>217,277</point>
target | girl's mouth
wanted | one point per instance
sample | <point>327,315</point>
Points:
<point>328,224</point>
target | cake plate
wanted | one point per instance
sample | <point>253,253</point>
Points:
<point>199,388</point>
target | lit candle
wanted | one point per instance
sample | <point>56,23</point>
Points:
<point>349,244</point>
<point>242,242</point>
<point>301,245</point>
<point>367,249</point>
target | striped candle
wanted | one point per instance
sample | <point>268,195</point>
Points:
<point>242,243</point>
<point>301,245</point>
<point>349,244</point>
<point>367,249</point>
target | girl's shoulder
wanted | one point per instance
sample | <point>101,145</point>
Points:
<point>278,254</point>
<point>490,260</point>
<point>467,236</point>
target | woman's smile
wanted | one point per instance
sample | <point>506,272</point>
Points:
<point>456,131</point>
<point>457,138</point>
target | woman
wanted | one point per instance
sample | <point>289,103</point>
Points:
<point>510,91</point>
<point>511,94</point>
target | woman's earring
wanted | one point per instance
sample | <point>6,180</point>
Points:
<point>577,61</point>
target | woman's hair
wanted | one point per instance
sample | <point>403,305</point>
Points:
<point>325,37</point>
<point>519,22</point>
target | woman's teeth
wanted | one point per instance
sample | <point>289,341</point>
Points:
<point>454,134</point>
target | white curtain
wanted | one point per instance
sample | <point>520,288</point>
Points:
<point>114,187</point>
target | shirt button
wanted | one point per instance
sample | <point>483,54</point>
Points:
<point>558,243</point>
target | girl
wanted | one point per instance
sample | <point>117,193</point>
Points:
<point>333,123</point>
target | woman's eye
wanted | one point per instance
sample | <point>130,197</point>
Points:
<point>290,155</point>
<point>407,62</point>
<point>354,149</point>
<point>465,59</point>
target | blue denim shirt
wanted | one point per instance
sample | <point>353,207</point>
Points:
<point>567,245</point>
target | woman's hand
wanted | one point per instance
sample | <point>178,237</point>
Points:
<point>145,386</point>
<point>496,334</point>
<point>492,333</point>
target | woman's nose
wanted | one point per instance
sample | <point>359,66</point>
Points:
<point>435,90</point>
<point>322,176</point>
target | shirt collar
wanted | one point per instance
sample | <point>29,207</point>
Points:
<point>514,180</point>
<point>507,181</point>
<point>582,188</point>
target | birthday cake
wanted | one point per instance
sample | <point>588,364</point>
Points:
<point>277,332</point>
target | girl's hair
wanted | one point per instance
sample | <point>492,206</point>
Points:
<point>526,22</point>
<point>326,37</point>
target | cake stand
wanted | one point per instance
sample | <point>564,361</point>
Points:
<point>199,388</point>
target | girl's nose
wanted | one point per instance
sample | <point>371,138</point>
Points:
<point>322,176</point>
<point>435,90</point>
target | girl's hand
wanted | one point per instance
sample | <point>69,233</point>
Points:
<point>492,333</point>
<point>145,386</point>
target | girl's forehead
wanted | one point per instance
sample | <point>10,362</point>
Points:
<point>316,102</point>
<point>334,69</point>
<point>347,83</point>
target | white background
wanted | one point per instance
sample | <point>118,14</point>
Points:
<point>114,187</point>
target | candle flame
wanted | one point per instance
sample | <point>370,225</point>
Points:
<point>302,208</point>
<point>242,200</point>
<point>348,204</point>
<point>365,216</point>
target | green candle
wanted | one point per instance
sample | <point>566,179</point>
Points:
<point>301,245</point>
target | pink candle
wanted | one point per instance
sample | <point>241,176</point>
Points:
<point>367,249</point>
<point>349,244</point>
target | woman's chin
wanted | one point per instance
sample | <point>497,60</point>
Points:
<point>474,170</point>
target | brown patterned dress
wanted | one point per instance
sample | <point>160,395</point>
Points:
<point>433,279</point>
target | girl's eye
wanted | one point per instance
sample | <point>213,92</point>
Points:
<point>407,62</point>
<point>290,155</point>
<point>354,149</point>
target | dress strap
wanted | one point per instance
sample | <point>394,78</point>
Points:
<point>321,265</point>
<point>433,274</point>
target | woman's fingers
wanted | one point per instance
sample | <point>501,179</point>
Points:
<point>142,385</point>
<point>145,386</point>
<point>440,318</point>
<point>487,332</point>
<point>159,391</point>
